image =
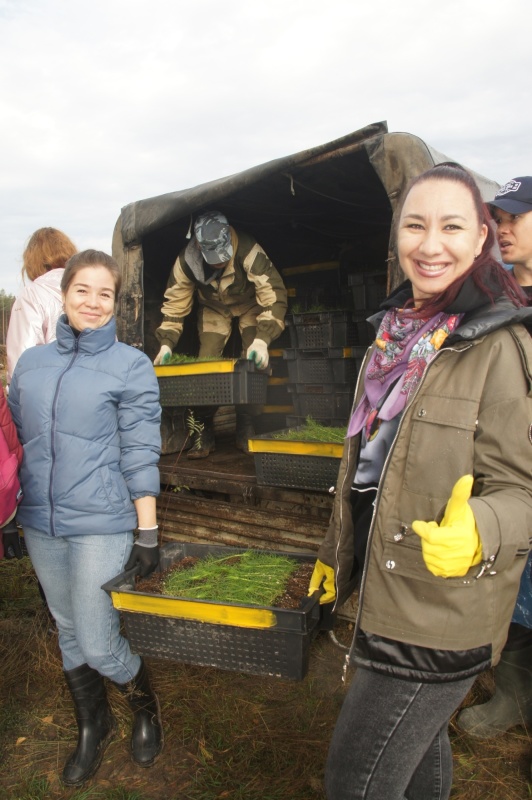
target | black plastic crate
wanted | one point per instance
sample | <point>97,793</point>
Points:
<point>369,290</point>
<point>183,385</point>
<point>278,365</point>
<point>322,402</point>
<point>315,330</point>
<point>322,329</point>
<point>295,465</point>
<point>296,472</point>
<point>365,330</point>
<point>330,365</point>
<point>277,392</point>
<point>254,639</point>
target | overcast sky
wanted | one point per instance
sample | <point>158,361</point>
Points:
<point>110,101</point>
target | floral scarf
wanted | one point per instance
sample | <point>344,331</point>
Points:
<point>404,346</point>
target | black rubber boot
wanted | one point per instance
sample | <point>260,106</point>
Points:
<point>203,443</point>
<point>147,735</point>
<point>95,724</point>
<point>244,430</point>
<point>174,434</point>
<point>511,704</point>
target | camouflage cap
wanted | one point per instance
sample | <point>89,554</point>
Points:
<point>213,235</point>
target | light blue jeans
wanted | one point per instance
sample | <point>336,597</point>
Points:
<point>391,742</point>
<point>71,570</point>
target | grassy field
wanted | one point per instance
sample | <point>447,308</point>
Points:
<point>227,736</point>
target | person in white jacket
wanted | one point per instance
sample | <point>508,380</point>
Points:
<point>36,310</point>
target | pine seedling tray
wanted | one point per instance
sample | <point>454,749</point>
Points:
<point>212,383</point>
<point>244,638</point>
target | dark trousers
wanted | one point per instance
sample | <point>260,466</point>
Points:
<point>391,742</point>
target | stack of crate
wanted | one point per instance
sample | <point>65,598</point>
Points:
<point>323,349</point>
<point>369,290</point>
<point>327,350</point>
<point>278,401</point>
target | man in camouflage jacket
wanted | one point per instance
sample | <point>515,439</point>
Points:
<point>233,278</point>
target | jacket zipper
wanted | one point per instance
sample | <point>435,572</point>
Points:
<point>379,492</point>
<point>52,437</point>
<point>341,505</point>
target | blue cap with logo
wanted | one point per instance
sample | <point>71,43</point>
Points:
<point>213,235</point>
<point>515,197</point>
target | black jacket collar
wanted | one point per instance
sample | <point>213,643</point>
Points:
<point>480,317</point>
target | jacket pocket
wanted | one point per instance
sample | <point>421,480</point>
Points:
<point>441,444</point>
<point>404,557</point>
<point>443,613</point>
<point>115,488</point>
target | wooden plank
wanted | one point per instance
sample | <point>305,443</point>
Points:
<point>229,476</point>
<point>185,517</point>
<point>238,536</point>
<point>240,513</point>
<point>233,475</point>
<point>290,501</point>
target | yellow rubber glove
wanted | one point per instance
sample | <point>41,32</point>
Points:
<point>454,546</point>
<point>323,574</point>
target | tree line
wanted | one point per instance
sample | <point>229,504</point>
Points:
<point>6,303</point>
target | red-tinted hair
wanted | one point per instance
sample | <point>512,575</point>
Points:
<point>47,248</point>
<point>489,276</point>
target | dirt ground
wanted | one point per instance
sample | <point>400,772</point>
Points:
<point>227,735</point>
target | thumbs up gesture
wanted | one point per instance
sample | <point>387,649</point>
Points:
<point>452,547</point>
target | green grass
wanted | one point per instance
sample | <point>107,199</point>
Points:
<point>180,358</point>
<point>36,789</point>
<point>19,588</point>
<point>250,578</point>
<point>40,789</point>
<point>313,431</point>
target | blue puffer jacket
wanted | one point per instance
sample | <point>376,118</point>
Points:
<point>87,411</point>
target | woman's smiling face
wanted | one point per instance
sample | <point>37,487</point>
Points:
<point>90,298</point>
<point>439,235</point>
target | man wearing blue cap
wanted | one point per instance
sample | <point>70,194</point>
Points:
<point>512,211</point>
<point>511,704</point>
<point>233,278</point>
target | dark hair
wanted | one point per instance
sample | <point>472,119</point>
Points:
<point>91,258</point>
<point>488,275</point>
<point>47,249</point>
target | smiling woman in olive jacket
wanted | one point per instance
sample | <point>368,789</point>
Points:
<point>434,498</point>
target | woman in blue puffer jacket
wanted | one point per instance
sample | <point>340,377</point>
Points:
<point>87,412</point>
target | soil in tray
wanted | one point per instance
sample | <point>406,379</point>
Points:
<point>292,596</point>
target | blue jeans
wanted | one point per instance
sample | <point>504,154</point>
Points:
<point>391,742</point>
<point>71,570</point>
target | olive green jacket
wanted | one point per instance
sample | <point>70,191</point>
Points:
<point>471,414</point>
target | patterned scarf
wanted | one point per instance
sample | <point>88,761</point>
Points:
<point>404,347</point>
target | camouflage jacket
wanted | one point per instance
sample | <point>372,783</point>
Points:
<point>249,279</point>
